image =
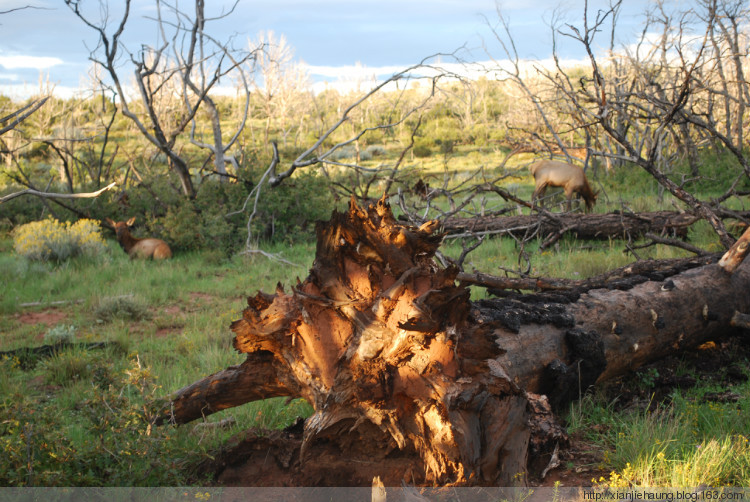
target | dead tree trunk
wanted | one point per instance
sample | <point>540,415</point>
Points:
<point>411,381</point>
<point>583,226</point>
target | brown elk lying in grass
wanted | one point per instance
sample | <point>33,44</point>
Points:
<point>561,174</point>
<point>139,248</point>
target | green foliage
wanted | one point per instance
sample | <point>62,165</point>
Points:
<point>288,212</point>
<point>446,146</point>
<point>124,450</point>
<point>19,210</point>
<point>50,240</point>
<point>67,367</point>
<point>718,169</point>
<point>422,148</point>
<point>285,213</point>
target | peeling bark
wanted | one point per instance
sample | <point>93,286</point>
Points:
<point>412,382</point>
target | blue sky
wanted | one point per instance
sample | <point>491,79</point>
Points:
<point>332,34</point>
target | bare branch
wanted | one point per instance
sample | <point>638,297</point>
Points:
<point>50,195</point>
<point>21,114</point>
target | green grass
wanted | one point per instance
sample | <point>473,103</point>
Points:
<point>686,441</point>
<point>170,324</point>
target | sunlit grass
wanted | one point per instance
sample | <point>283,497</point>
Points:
<point>687,443</point>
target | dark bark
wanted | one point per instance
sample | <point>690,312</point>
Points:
<point>620,278</point>
<point>584,226</point>
<point>412,382</point>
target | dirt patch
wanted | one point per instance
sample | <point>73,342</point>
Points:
<point>167,331</point>
<point>49,318</point>
<point>274,458</point>
<point>195,296</point>
<point>172,310</point>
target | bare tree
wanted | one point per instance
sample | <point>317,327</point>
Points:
<point>198,64</point>
<point>10,122</point>
<point>201,61</point>
<point>283,85</point>
<point>319,153</point>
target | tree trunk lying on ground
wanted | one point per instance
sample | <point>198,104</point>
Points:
<point>414,383</point>
<point>616,225</point>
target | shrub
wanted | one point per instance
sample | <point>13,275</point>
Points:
<point>50,240</point>
<point>289,211</point>
<point>346,152</point>
<point>67,367</point>
<point>422,151</point>
<point>203,223</point>
<point>376,150</point>
<point>60,334</point>
<point>121,307</point>
<point>365,155</point>
<point>19,210</point>
<point>446,146</point>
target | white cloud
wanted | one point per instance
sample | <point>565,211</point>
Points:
<point>36,62</point>
<point>350,72</point>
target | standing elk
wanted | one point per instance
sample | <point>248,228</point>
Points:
<point>561,174</point>
<point>139,248</point>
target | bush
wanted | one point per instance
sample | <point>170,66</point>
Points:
<point>446,146</point>
<point>67,367</point>
<point>364,155</point>
<point>50,240</point>
<point>421,150</point>
<point>60,334</point>
<point>289,211</point>
<point>121,307</point>
<point>376,150</point>
<point>203,223</point>
<point>19,210</point>
<point>347,152</point>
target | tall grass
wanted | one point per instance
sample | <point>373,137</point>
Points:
<point>686,443</point>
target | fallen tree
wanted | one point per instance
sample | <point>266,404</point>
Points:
<point>412,382</point>
<point>614,225</point>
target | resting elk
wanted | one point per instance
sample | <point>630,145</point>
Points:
<point>139,248</point>
<point>561,174</point>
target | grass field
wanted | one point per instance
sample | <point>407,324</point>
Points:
<point>81,417</point>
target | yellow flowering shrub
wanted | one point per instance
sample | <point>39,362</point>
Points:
<point>49,239</point>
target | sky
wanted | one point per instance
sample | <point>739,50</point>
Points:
<point>333,38</point>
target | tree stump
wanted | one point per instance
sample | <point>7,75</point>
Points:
<point>412,382</point>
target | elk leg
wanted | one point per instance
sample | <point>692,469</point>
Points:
<point>538,194</point>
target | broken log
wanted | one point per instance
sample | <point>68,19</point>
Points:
<point>737,253</point>
<point>413,382</point>
<point>616,225</point>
